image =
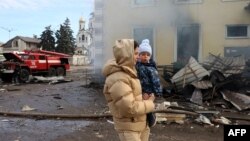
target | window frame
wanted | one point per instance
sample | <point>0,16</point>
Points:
<point>83,37</point>
<point>237,37</point>
<point>42,57</point>
<point>188,2</point>
<point>151,3</point>
<point>32,57</point>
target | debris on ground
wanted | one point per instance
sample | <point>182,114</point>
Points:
<point>212,89</point>
<point>50,80</point>
<point>27,108</point>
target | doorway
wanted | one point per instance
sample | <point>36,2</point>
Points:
<point>187,42</point>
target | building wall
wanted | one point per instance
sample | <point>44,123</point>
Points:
<point>1,48</point>
<point>119,18</point>
<point>126,16</point>
<point>19,43</point>
<point>22,45</point>
<point>214,16</point>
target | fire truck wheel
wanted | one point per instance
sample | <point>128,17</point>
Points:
<point>24,75</point>
<point>52,72</point>
<point>60,71</point>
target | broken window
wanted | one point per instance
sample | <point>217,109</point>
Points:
<point>237,31</point>
<point>187,42</point>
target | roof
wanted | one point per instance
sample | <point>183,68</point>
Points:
<point>30,40</point>
<point>25,39</point>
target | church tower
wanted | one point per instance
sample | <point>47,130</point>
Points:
<point>83,37</point>
<point>81,24</point>
<point>83,51</point>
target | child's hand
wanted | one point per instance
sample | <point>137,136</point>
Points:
<point>151,97</point>
<point>145,96</point>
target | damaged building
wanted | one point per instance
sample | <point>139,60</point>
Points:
<point>176,29</point>
<point>201,48</point>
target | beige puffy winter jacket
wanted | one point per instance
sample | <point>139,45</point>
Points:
<point>122,89</point>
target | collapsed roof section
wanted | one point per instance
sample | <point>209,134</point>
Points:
<point>226,65</point>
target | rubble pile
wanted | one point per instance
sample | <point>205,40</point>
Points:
<point>217,89</point>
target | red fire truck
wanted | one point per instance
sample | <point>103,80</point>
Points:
<point>40,62</point>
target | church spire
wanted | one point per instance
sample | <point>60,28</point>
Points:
<point>81,24</point>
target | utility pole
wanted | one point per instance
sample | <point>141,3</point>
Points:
<point>7,29</point>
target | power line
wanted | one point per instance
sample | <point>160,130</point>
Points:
<point>7,29</point>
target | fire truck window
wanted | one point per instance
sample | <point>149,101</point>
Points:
<point>25,57</point>
<point>41,57</point>
<point>31,57</point>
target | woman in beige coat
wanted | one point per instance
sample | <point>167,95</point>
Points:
<point>122,91</point>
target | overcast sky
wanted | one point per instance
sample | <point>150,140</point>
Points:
<point>30,17</point>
